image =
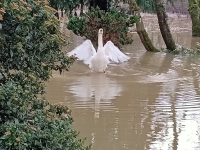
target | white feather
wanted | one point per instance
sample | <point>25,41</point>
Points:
<point>84,51</point>
<point>114,54</point>
<point>99,60</point>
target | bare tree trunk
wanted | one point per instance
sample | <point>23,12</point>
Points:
<point>164,27</point>
<point>194,10</point>
<point>144,37</point>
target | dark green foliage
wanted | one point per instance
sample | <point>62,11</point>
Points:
<point>102,4</point>
<point>78,25</point>
<point>31,47</point>
<point>32,39</point>
<point>194,10</point>
<point>147,5</point>
<point>30,126</point>
<point>67,5</point>
<point>114,23</point>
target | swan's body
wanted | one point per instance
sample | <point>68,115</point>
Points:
<point>99,60</point>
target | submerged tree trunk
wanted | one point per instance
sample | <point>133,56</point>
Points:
<point>144,37</point>
<point>194,10</point>
<point>164,27</point>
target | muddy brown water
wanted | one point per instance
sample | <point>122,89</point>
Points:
<point>151,102</point>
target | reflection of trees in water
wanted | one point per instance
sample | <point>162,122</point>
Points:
<point>175,105</point>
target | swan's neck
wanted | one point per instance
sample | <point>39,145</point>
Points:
<point>100,40</point>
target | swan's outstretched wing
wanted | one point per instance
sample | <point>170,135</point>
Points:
<point>83,51</point>
<point>114,54</point>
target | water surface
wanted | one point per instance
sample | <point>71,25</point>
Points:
<point>151,102</point>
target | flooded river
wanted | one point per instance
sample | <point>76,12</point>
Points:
<point>151,102</point>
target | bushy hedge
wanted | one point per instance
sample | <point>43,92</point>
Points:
<point>114,23</point>
<point>30,39</point>
<point>31,47</point>
<point>27,125</point>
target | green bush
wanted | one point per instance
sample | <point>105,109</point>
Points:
<point>114,23</point>
<point>30,39</point>
<point>31,47</point>
<point>27,125</point>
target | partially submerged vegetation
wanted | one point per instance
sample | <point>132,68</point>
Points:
<point>31,46</point>
<point>182,50</point>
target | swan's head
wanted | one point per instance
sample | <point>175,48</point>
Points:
<point>100,31</point>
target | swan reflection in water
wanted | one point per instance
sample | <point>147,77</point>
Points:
<point>95,91</point>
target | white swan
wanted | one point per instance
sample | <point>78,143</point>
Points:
<point>99,60</point>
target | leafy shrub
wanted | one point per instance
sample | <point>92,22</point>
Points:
<point>114,23</point>
<point>29,126</point>
<point>30,37</point>
<point>31,47</point>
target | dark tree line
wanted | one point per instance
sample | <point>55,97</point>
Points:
<point>102,4</point>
